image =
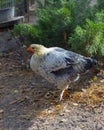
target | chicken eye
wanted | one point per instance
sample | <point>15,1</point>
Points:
<point>33,48</point>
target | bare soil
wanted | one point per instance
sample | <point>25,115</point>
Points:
<point>27,101</point>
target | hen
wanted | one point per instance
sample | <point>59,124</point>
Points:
<point>58,66</point>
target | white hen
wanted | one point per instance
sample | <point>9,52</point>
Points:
<point>58,66</point>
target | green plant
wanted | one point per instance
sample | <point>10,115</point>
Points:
<point>54,23</point>
<point>27,33</point>
<point>60,19</point>
<point>89,39</point>
<point>81,11</point>
<point>100,5</point>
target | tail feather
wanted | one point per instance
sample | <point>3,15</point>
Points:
<point>85,64</point>
<point>90,62</point>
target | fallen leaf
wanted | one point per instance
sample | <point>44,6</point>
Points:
<point>95,78</point>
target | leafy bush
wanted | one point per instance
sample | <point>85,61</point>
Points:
<point>89,39</point>
<point>57,20</point>
<point>26,33</point>
<point>82,10</point>
<point>54,25</point>
<point>70,24</point>
<point>100,5</point>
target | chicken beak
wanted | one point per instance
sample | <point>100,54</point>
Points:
<point>29,49</point>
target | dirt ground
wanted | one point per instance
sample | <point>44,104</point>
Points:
<point>27,101</point>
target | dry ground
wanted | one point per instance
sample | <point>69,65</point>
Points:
<point>27,100</point>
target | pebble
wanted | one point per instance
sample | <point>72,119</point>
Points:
<point>1,111</point>
<point>75,104</point>
<point>62,120</point>
<point>102,81</point>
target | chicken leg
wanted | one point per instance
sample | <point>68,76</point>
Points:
<point>61,95</point>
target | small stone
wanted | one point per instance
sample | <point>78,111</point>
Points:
<point>1,111</point>
<point>67,111</point>
<point>84,126</point>
<point>61,114</point>
<point>102,81</point>
<point>62,120</point>
<point>75,104</point>
<point>16,91</point>
<point>83,90</point>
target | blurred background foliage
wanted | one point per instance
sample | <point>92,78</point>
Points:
<point>76,25</point>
